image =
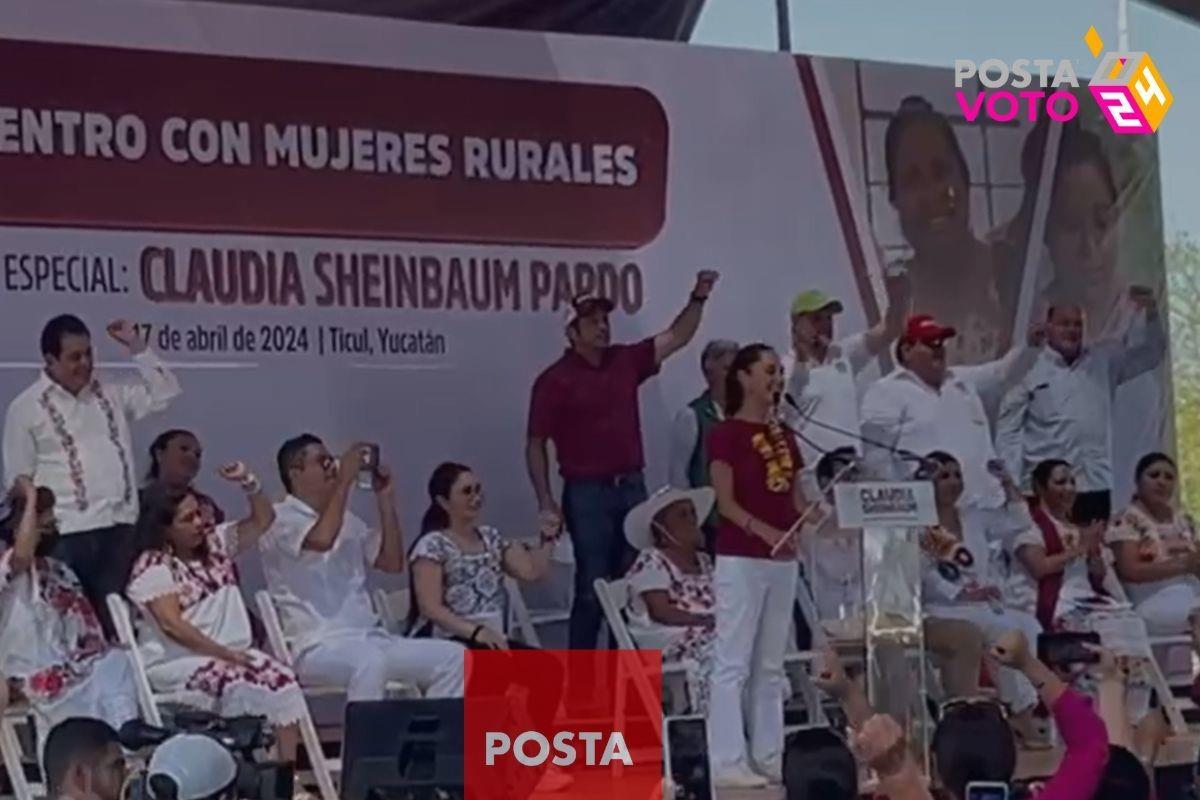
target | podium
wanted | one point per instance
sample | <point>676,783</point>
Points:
<point>877,495</point>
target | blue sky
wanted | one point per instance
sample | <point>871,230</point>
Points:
<point>938,31</point>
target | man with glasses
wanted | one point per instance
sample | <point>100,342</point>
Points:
<point>315,557</point>
<point>924,405</point>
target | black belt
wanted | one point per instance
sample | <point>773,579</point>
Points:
<point>610,481</point>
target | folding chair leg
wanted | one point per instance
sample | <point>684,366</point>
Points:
<point>316,757</point>
<point>1179,726</point>
<point>10,748</point>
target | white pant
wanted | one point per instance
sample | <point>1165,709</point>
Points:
<point>365,662</point>
<point>754,616</point>
<point>1012,686</point>
<point>1168,610</point>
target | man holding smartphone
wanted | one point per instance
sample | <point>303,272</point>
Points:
<point>315,557</point>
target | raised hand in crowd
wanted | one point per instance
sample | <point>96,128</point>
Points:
<point>262,513</point>
<point>1036,335</point>
<point>880,744</point>
<point>126,334</point>
<point>705,281</point>
<point>832,679</point>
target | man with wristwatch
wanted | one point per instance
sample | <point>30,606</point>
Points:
<point>586,403</point>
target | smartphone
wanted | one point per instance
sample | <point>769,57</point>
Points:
<point>1065,649</point>
<point>996,467</point>
<point>369,468</point>
<point>986,790</point>
<point>686,759</point>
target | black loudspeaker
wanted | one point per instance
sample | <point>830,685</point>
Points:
<point>398,749</point>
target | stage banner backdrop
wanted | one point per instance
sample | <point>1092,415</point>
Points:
<point>369,229</point>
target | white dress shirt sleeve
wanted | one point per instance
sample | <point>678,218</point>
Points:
<point>994,378</point>
<point>684,431</point>
<point>1010,431</point>
<point>288,532</point>
<point>154,392</point>
<point>856,351</point>
<point>1141,355</point>
<point>883,414</point>
<point>19,449</point>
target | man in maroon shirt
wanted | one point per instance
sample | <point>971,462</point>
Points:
<point>587,404</point>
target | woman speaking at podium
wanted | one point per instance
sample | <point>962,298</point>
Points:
<point>755,467</point>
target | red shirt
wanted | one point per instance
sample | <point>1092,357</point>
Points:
<point>591,413</point>
<point>731,442</point>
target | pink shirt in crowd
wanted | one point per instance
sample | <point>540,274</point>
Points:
<point>1083,732</point>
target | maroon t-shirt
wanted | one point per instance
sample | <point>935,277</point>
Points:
<point>731,442</point>
<point>591,413</point>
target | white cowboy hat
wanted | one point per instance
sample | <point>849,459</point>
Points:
<point>637,521</point>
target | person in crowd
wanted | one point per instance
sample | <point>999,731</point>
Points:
<point>175,461</point>
<point>196,633</point>
<point>875,739</point>
<point>817,765</point>
<point>459,565</point>
<point>586,404</point>
<point>315,557</point>
<point>1061,575</point>
<point>688,466</point>
<point>458,571</point>
<point>69,432</point>
<point>924,405</point>
<point>821,373</point>
<point>1062,408</point>
<point>84,761</point>
<point>755,467</point>
<point>670,603</point>
<point>52,648</point>
<point>959,577</point>
<point>973,741</point>
<point>1157,557</point>
<point>1127,775</point>
<point>970,285</point>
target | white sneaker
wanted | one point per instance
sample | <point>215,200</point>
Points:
<point>554,780</point>
<point>773,776</point>
<point>739,778</point>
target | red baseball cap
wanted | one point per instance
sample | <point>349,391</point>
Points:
<point>927,330</point>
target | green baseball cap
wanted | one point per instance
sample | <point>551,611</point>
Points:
<point>815,300</point>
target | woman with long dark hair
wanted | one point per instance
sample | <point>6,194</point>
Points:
<point>1060,571</point>
<point>176,456</point>
<point>197,635</point>
<point>459,564</point>
<point>755,467</point>
<point>458,570</point>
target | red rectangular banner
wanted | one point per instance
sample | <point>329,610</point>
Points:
<point>528,732</point>
<point>140,139</point>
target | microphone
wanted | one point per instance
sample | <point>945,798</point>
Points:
<point>902,454</point>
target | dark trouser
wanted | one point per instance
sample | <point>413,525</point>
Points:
<point>595,515</point>
<point>101,559</point>
<point>1092,506</point>
<point>544,685</point>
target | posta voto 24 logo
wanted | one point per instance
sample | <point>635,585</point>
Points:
<point>1127,86</point>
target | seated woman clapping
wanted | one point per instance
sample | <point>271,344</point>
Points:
<point>1061,572</point>
<point>670,602</point>
<point>196,634</point>
<point>52,648</point>
<point>1157,555</point>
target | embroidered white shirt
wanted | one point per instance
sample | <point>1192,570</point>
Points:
<point>79,446</point>
<point>319,595</point>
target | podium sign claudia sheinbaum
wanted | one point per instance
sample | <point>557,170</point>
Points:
<point>891,515</point>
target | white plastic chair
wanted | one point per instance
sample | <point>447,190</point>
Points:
<point>393,608</point>
<point>13,755</point>
<point>149,701</point>
<point>526,621</point>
